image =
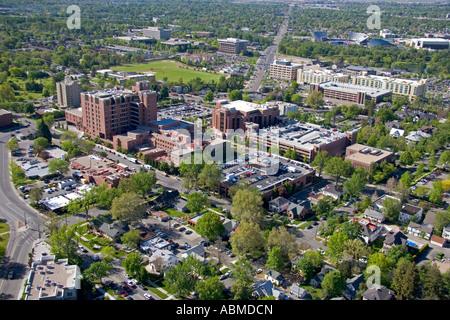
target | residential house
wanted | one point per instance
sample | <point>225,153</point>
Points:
<point>167,198</point>
<point>114,230</point>
<point>331,191</point>
<point>161,215</point>
<point>408,211</point>
<point>298,291</point>
<point>378,292</point>
<point>374,215</point>
<point>197,252</point>
<point>263,289</point>
<point>424,116</point>
<point>180,205</point>
<point>300,210</point>
<point>446,232</point>
<point>438,241</point>
<point>162,260</point>
<point>370,232</point>
<point>393,239</point>
<point>420,230</point>
<point>230,225</point>
<point>316,281</point>
<point>279,205</point>
<point>352,286</point>
<point>396,132</point>
<point>416,136</point>
<point>379,203</point>
<point>274,276</point>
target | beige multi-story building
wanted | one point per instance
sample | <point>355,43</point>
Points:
<point>68,93</point>
<point>284,70</point>
<point>232,45</point>
<point>320,75</point>
<point>405,87</point>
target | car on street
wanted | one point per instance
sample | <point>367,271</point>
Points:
<point>122,293</point>
<point>148,296</point>
<point>182,229</point>
<point>10,274</point>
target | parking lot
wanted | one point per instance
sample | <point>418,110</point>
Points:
<point>186,110</point>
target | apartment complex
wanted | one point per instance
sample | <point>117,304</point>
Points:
<point>284,70</point>
<point>68,93</point>
<point>157,33</point>
<point>405,87</point>
<point>232,45</point>
<point>363,156</point>
<point>234,115</point>
<point>351,93</point>
<point>309,76</point>
<point>306,139</point>
<point>111,112</point>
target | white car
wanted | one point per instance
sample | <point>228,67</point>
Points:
<point>148,296</point>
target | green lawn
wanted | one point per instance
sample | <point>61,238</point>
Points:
<point>159,293</point>
<point>3,242</point>
<point>168,69</point>
<point>4,227</point>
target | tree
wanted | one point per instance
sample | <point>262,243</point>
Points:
<point>249,240</point>
<point>247,205</point>
<point>6,93</point>
<point>335,245</point>
<point>398,252</point>
<point>391,208</point>
<point>141,183</point>
<point>35,195</point>
<point>383,263</point>
<point>333,284</point>
<point>436,193</point>
<point>85,202</point>
<point>210,226</point>
<point>406,158</point>
<point>235,95</point>
<point>58,166</point>
<point>323,207</point>
<point>62,243</point>
<point>182,278</point>
<point>108,253</point>
<point>210,289</point>
<point>49,119</point>
<point>296,98</point>
<point>131,239</point>
<point>355,249</point>
<point>320,161</point>
<point>445,157</point>
<point>242,273</point>
<point>39,145</point>
<point>129,207</point>
<point>405,280</point>
<point>338,167</point>
<point>135,267</point>
<point>210,177</point>
<point>196,201</point>
<point>97,271</point>
<point>209,96</point>
<point>275,259</point>
<point>13,145</point>
<point>43,131</point>
<point>52,223</point>
<point>391,184</point>
<point>357,182</point>
<point>406,179</point>
<point>306,269</point>
<point>430,279</point>
<point>315,99</point>
<point>281,238</point>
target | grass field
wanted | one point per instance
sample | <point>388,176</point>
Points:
<point>169,69</point>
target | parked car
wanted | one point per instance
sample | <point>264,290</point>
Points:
<point>148,296</point>
<point>182,229</point>
<point>188,231</point>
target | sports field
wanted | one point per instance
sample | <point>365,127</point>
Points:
<point>169,69</point>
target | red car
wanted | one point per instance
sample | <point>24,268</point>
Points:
<point>122,293</point>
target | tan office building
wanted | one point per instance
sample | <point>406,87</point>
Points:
<point>319,75</point>
<point>284,70</point>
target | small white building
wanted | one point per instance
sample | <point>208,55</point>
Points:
<point>408,211</point>
<point>162,260</point>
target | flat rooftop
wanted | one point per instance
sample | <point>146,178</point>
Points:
<point>232,40</point>
<point>365,154</point>
<point>392,80</point>
<point>245,106</point>
<point>263,171</point>
<point>351,88</point>
<point>48,278</point>
<point>302,135</point>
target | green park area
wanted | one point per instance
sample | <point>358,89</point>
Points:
<point>170,69</point>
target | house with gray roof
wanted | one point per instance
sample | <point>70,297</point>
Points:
<point>374,215</point>
<point>420,230</point>
<point>352,286</point>
<point>197,252</point>
<point>263,289</point>
<point>114,230</point>
<point>300,210</point>
<point>274,276</point>
<point>279,204</point>
<point>394,239</point>
<point>378,292</point>
<point>316,281</point>
<point>298,292</point>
